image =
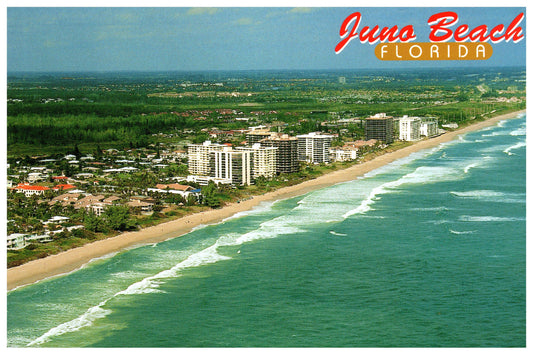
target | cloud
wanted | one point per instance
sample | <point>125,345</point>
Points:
<point>300,10</point>
<point>50,43</point>
<point>202,11</point>
<point>243,21</point>
<point>127,17</point>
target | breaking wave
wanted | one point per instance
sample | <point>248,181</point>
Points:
<point>518,132</point>
<point>462,232</point>
<point>422,175</point>
<point>516,146</point>
<point>209,255</point>
<point>488,218</point>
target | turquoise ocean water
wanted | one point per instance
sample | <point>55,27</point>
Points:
<point>428,251</point>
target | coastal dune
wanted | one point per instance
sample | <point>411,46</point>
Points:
<point>73,259</point>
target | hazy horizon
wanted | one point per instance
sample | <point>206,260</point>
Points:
<point>224,39</point>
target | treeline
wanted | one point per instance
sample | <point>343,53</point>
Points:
<point>64,108</point>
<point>68,129</point>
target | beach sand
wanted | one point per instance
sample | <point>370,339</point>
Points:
<point>73,259</point>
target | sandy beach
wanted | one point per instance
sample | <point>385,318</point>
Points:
<point>75,258</point>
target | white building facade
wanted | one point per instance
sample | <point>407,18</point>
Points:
<point>199,157</point>
<point>409,128</point>
<point>429,128</point>
<point>234,165</point>
<point>314,147</point>
<point>264,158</point>
<point>343,154</point>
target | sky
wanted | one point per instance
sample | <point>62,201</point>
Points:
<point>224,38</point>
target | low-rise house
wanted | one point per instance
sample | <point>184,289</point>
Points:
<point>359,144</point>
<point>204,180</point>
<point>65,199</point>
<point>84,175</point>
<point>57,220</point>
<point>97,208</point>
<point>111,199</point>
<point>38,169</point>
<point>16,241</point>
<point>121,170</point>
<point>88,200</point>
<point>60,178</point>
<point>35,177</point>
<point>451,125</point>
<point>64,187</point>
<point>145,206</point>
<point>183,190</point>
<point>343,154</point>
<point>92,203</point>
<point>29,190</point>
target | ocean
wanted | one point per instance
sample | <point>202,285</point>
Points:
<point>428,251</point>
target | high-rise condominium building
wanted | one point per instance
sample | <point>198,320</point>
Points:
<point>234,165</point>
<point>199,158</point>
<point>264,160</point>
<point>379,127</point>
<point>409,128</point>
<point>314,147</point>
<point>287,154</point>
<point>257,135</point>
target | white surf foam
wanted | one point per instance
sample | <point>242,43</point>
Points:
<point>477,193</point>
<point>470,166</point>
<point>337,233</point>
<point>494,134</point>
<point>201,226</point>
<point>490,195</point>
<point>421,175</point>
<point>76,324</point>
<point>462,232</point>
<point>516,146</point>
<point>488,218</point>
<point>260,208</point>
<point>151,284</point>
<point>365,204</point>
<point>438,208</point>
<point>518,132</point>
<point>125,275</point>
<point>402,161</point>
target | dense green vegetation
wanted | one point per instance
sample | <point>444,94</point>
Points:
<point>50,111</point>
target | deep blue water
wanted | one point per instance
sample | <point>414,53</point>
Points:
<point>429,251</point>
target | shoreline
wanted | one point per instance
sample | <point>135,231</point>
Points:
<point>73,259</point>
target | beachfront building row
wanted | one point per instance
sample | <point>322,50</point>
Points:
<point>239,166</point>
<point>384,128</point>
<point>287,154</point>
